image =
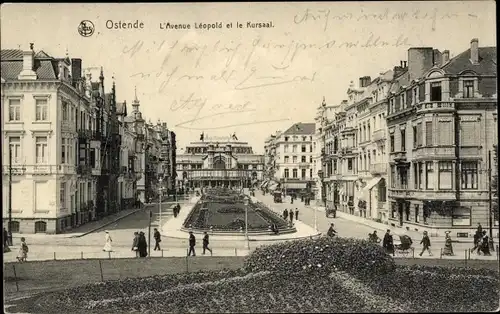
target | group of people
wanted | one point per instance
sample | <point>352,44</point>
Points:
<point>481,241</point>
<point>289,214</point>
<point>192,244</point>
<point>140,245</point>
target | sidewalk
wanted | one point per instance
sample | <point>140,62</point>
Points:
<point>86,228</point>
<point>173,229</point>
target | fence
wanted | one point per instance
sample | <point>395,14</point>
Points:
<point>50,275</point>
<point>464,255</point>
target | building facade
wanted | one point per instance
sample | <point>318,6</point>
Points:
<point>48,109</point>
<point>442,124</point>
<point>294,158</point>
<point>222,161</point>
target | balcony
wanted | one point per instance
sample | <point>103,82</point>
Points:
<point>399,193</point>
<point>435,106</point>
<point>303,165</point>
<point>40,169</point>
<point>85,134</point>
<point>84,170</point>
<point>378,135</point>
<point>378,168</point>
<point>398,156</point>
<point>434,152</point>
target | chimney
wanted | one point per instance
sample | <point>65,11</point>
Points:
<point>28,72</point>
<point>76,69</point>
<point>397,71</point>
<point>401,63</point>
<point>474,51</point>
<point>446,56</point>
<point>420,60</point>
<point>404,64</point>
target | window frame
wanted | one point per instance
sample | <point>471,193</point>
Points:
<point>44,148</point>
<point>474,175</point>
<point>15,148</point>
<point>16,114</point>
<point>447,169</point>
<point>429,168</point>
<point>43,114</point>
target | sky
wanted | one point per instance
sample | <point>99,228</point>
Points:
<point>234,78</point>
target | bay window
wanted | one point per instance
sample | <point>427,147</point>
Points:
<point>445,175</point>
<point>469,173</point>
<point>429,175</point>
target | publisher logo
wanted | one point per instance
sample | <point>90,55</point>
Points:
<point>86,28</point>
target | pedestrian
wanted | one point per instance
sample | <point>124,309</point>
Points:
<point>331,232</point>
<point>192,243</point>
<point>291,216</point>
<point>388,242</point>
<point>448,245</point>
<point>107,245</point>
<point>22,255</point>
<point>373,237</point>
<point>157,237</point>
<point>205,244</point>
<point>485,245</point>
<point>479,229</point>
<point>285,214</point>
<point>296,214</point>
<point>291,199</point>
<point>426,244</point>
<point>135,244</point>
<point>142,245</point>
<point>5,237</point>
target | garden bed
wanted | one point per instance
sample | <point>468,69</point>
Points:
<point>324,275</point>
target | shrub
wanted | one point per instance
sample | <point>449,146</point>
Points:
<point>440,289</point>
<point>328,254</point>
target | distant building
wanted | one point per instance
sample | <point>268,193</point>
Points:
<point>223,161</point>
<point>294,157</point>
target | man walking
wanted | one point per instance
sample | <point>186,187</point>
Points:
<point>157,237</point>
<point>205,244</point>
<point>285,214</point>
<point>426,242</point>
<point>296,214</point>
<point>388,242</point>
<point>291,217</point>
<point>192,243</point>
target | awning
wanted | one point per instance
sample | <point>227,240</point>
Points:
<point>264,183</point>
<point>272,185</point>
<point>295,185</point>
<point>365,192</point>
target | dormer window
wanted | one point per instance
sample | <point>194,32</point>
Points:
<point>436,91</point>
<point>468,88</point>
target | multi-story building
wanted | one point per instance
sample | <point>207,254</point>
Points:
<point>48,108</point>
<point>219,161</point>
<point>442,123</point>
<point>127,180</point>
<point>270,156</point>
<point>154,147</point>
<point>294,158</point>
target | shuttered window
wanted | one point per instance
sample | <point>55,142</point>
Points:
<point>445,133</point>
<point>428,133</point>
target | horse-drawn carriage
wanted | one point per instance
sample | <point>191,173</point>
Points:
<point>331,212</point>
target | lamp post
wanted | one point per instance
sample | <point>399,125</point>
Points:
<point>9,227</point>
<point>161,195</point>
<point>246,202</point>
<point>490,202</point>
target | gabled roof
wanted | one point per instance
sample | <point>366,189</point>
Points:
<point>301,129</point>
<point>487,62</point>
<point>45,66</point>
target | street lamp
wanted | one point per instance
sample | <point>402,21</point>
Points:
<point>246,202</point>
<point>161,195</point>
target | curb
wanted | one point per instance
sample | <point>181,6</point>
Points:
<point>253,239</point>
<point>106,224</point>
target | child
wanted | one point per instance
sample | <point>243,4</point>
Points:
<point>23,251</point>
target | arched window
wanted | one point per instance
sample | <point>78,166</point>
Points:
<point>40,227</point>
<point>14,226</point>
<point>219,163</point>
<point>287,173</point>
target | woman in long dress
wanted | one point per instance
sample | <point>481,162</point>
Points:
<point>22,255</point>
<point>448,246</point>
<point>107,246</point>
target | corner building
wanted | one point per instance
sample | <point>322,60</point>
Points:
<point>442,123</point>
